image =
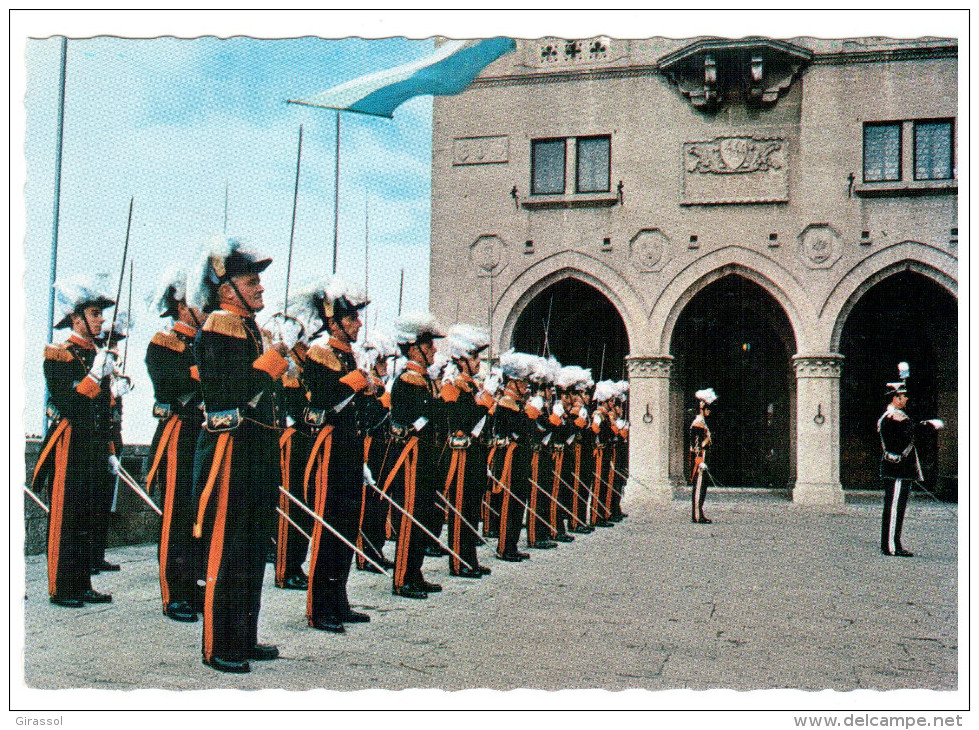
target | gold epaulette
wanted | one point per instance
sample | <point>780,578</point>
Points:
<point>324,356</point>
<point>226,323</point>
<point>289,381</point>
<point>169,341</point>
<point>58,352</point>
<point>508,402</point>
<point>413,378</point>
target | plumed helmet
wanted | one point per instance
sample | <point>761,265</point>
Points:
<point>605,390</point>
<point>893,389</point>
<point>466,340</point>
<point>622,389</point>
<point>329,296</point>
<point>171,289</point>
<point>219,260</point>
<point>706,396</point>
<point>73,294</point>
<point>415,328</point>
<point>517,365</point>
<point>569,377</point>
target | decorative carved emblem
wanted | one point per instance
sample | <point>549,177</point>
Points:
<point>649,249</point>
<point>480,150</point>
<point>726,155</point>
<point>649,367</point>
<point>489,255</point>
<point>820,246</point>
<point>559,52</point>
<point>735,170</point>
<point>818,366</point>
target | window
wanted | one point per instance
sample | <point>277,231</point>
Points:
<point>593,156</point>
<point>547,166</point>
<point>881,152</point>
<point>933,150</point>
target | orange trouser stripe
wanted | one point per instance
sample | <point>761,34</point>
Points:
<point>611,483</point>
<point>222,454</point>
<point>531,520</point>
<point>61,436</point>
<point>506,474</point>
<point>457,469</point>
<point>282,534</point>
<point>319,459</point>
<point>217,549</point>
<point>596,492</point>
<point>575,487</point>
<point>171,433</point>
<point>409,457</point>
<point>58,432</point>
<point>168,433</point>
<point>558,465</point>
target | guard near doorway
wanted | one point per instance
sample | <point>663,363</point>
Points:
<point>700,441</point>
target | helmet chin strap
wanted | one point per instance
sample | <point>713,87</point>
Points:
<point>240,297</point>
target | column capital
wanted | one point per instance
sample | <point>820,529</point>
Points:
<point>649,366</point>
<point>827,365</point>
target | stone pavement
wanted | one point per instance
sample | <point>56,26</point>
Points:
<point>771,595</point>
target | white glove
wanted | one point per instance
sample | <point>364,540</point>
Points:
<point>114,463</point>
<point>936,423</point>
<point>368,477</point>
<point>597,419</point>
<point>583,413</point>
<point>536,402</point>
<point>285,330</point>
<point>620,424</point>
<point>558,409</point>
<point>492,384</point>
<point>104,365</point>
<point>121,385</point>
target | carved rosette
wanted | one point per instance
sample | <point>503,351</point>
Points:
<point>570,53</point>
<point>649,367</point>
<point>820,246</point>
<point>818,366</point>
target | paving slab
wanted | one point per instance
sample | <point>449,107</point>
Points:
<point>771,595</point>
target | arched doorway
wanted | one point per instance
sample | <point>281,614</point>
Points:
<point>577,324</point>
<point>905,317</point>
<point>734,337</point>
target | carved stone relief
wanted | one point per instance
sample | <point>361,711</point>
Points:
<point>489,255</point>
<point>649,249</point>
<point>649,367</point>
<point>820,246</point>
<point>572,53</point>
<point>735,170</point>
<point>818,366</point>
<point>480,150</point>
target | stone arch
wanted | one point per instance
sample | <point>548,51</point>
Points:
<point>571,264</point>
<point>784,288</point>
<point>921,258</point>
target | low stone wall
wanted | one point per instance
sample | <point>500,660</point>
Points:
<point>132,523</point>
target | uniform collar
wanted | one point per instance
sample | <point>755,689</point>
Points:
<point>342,346</point>
<point>228,307</point>
<point>81,341</point>
<point>184,328</point>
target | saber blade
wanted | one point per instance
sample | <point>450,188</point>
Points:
<point>128,480</point>
<point>332,529</point>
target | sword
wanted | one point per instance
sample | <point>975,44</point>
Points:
<point>37,499</point>
<point>591,494</point>
<point>127,478</point>
<point>467,523</point>
<point>422,527</point>
<point>369,543</point>
<point>937,500</point>
<point>548,495</point>
<point>633,478</point>
<point>485,501</point>
<point>291,522</point>
<point>519,501</point>
<point>328,526</point>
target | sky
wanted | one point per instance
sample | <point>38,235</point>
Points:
<point>174,123</point>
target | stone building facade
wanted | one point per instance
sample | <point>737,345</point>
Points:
<point>776,219</point>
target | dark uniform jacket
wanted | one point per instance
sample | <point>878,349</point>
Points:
<point>900,458</point>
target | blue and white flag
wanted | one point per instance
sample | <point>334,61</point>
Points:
<point>448,71</point>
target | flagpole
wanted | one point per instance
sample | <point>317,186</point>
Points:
<point>292,229</point>
<point>367,253</point>
<point>225,229</point>
<point>57,203</point>
<point>401,290</point>
<point>336,196</point>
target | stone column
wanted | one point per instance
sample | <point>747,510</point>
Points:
<point>818,430</point>
<point>649,432</point>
